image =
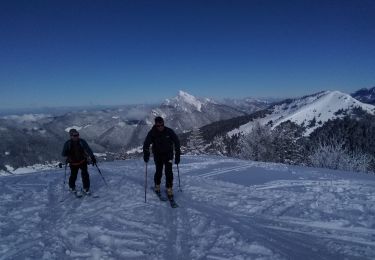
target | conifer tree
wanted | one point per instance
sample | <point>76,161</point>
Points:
<point>195,144</point>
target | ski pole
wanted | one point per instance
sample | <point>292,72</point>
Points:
<point>179,182</point>
<point>101,174</point>
<point>146,184</point>
<point>65,173</point>
<point>62,189</point>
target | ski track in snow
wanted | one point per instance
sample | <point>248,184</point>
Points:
<point>229,209</point>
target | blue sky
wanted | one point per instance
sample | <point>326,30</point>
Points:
<point>62,53</point>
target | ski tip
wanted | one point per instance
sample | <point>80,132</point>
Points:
<point>173,204</point>
<point>78,195</point>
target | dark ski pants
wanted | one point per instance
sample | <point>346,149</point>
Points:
<point>84,174</point>
<point>161,161</point>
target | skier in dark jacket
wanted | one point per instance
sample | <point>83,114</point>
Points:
<point>163,140</point>
<point>76,150</point>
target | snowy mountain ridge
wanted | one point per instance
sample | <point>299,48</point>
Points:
<point>310,111</point>
<point>37,138</point>
<point>27,117</point>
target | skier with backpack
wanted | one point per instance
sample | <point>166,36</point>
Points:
<point>77,151</point>
<point>164,141</point>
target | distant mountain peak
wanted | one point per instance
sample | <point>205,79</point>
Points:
<point>190,99</point>
<point>365,95</point>
<point>186,101</point>
<point>182,93</point>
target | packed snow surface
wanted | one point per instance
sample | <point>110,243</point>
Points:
<point>229,209</point>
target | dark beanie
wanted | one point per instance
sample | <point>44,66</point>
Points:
<point>73,131</point>
<point>159,120</point>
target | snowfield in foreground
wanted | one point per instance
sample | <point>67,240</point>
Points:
<point>229,209</point>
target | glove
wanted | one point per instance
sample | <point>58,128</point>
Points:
<point>60,165</point>
<point>146,156</point>
<point>93,160</point>
<point>177,158</point>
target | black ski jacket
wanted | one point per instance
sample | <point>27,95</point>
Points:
<point>75,153</point>
<point>162,142</point>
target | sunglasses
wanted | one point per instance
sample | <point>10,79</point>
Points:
<point>159,125</point>
<point>75,135</point>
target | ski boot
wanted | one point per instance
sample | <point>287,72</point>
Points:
<point>157,189</point>
<point>170,193</point>
<point>86,192</point>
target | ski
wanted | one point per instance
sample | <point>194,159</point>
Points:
<point>90,195</point>
<point>158,194</point>
<point>64,199</point>
<point>75,193</point>
<point>173,203</point>
<point>78,194</point>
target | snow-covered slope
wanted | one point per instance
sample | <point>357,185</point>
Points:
<point>310,111</point>
<point>229,209</point>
